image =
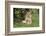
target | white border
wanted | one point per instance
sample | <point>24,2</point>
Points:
<point>26,28</point>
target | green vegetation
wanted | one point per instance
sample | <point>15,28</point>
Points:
<point>19,15</point>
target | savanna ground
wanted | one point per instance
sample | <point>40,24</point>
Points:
<point>35,20</point>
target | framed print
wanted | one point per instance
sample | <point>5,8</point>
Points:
<point>24,17</point>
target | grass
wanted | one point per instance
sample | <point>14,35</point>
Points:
<point>35,22</point>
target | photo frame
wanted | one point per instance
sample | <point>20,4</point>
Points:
<point>10,30</point>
